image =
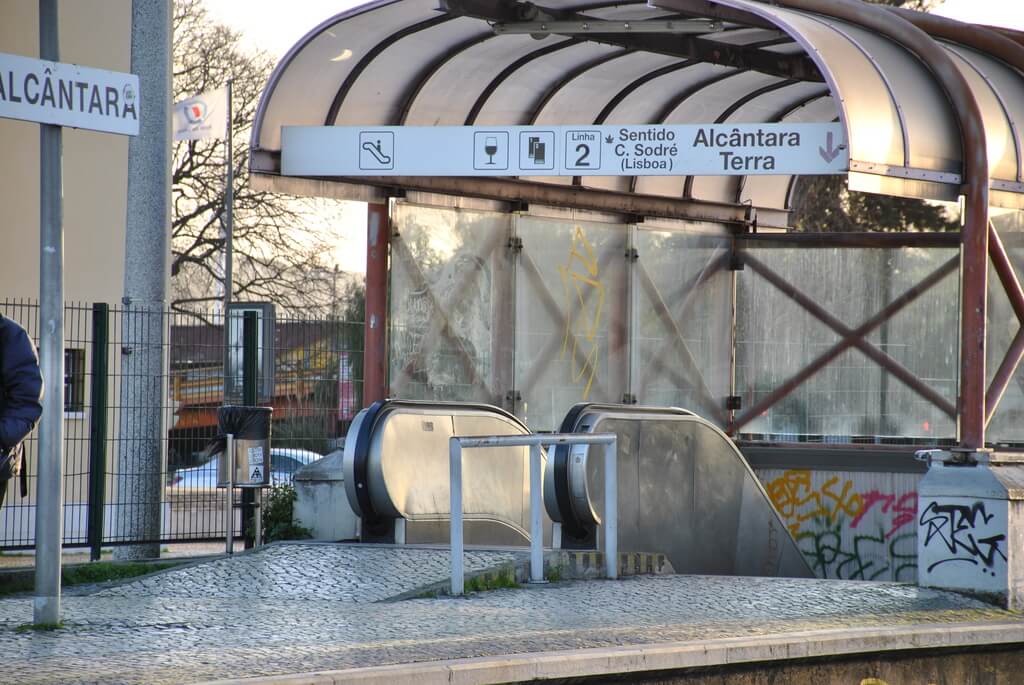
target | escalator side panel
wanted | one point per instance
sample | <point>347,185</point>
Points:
<point>686,492</point>
<point>666,495</point>
<point>760,539</point>
<point>718,486</point>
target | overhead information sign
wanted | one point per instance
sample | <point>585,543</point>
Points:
<point>68,95</point>
<point>639,150</point>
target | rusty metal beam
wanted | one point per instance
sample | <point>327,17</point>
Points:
<point>1004,374</point>
<point>513,190</point>
<point>1006,48</point>
<point>1005,271</point>
<point>851,338</point>
<point>853,240</point>
<point>864,329</point>
<point>1008,277</point>
<point>982,38</point>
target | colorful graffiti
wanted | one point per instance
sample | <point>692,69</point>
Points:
<point>833,552</point>
<point>585,296</point>
<point>846,524</point>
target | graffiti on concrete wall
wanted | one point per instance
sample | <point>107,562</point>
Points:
<point>584,309</point>
<point>835,552</point>
<point>850,525</point>
<point>964,535</point>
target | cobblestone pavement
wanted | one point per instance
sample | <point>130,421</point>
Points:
<point>298,608</point>
<point>348,573</point>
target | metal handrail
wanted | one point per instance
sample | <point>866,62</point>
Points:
<point>611,517</point>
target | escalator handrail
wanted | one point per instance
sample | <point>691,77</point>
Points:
<point>560,459</point>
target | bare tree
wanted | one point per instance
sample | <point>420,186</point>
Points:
<point>279,245</point>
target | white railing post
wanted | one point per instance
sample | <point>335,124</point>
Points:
<point>455,472</point>
<point>611,511</point>
<point>536,520</point>
<point>535,443</point>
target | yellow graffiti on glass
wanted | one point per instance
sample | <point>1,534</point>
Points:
<point>584,295</point>
<point>797,500</point>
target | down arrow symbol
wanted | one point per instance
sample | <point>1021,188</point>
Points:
<point>828,153</point>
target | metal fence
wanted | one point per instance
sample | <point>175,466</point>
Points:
<point>315,390</point>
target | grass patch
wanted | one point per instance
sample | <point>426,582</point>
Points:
<point>553,574</point>
<point>505,580</point>
<point>27,627</point>
<point>102,571</point>
<point>13,584</point>
<point>96,572</point>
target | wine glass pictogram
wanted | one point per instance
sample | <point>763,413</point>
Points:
<point>490,148</point>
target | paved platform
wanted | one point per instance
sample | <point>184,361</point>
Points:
<point>297,608</point>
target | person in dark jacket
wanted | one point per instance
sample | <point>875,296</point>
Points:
<point>21,389</point>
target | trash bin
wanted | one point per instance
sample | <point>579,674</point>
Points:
<point>250,427</point>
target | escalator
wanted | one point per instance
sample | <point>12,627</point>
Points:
<point>396,471</point>
<point>684,490</point>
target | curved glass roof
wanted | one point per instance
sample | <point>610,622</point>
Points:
<point>396,62</point>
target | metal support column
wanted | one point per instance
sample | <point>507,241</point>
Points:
<point>375,352</point>
<point>250,385</point>
<point>98,387</point>
<point>49,484</point>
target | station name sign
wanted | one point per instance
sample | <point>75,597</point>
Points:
<point>635,150</point>
<point>68,95</point>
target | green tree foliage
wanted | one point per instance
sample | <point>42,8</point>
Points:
<point>824,203</point>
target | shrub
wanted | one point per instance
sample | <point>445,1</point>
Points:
<point>278,512</point>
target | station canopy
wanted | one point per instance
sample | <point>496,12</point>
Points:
<point>721,62</point>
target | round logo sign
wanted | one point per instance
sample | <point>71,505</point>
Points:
<point>196,112</point>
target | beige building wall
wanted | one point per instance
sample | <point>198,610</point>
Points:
<point>94,33</point>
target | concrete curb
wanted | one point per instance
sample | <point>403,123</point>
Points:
<point>559,565</point>
<point>611,661</point>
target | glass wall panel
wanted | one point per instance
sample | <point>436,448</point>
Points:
<point>852,395</point>
<point>571,317</point>
<point>1008,423</point>
<point>682,316</point>
<point>451,305</point>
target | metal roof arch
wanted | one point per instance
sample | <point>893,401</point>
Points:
<point>405,61</point>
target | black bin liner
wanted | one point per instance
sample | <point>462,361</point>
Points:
<point>245,423</point>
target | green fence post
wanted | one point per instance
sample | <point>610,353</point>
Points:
<point>250,383</point>
<point>98,425</point>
